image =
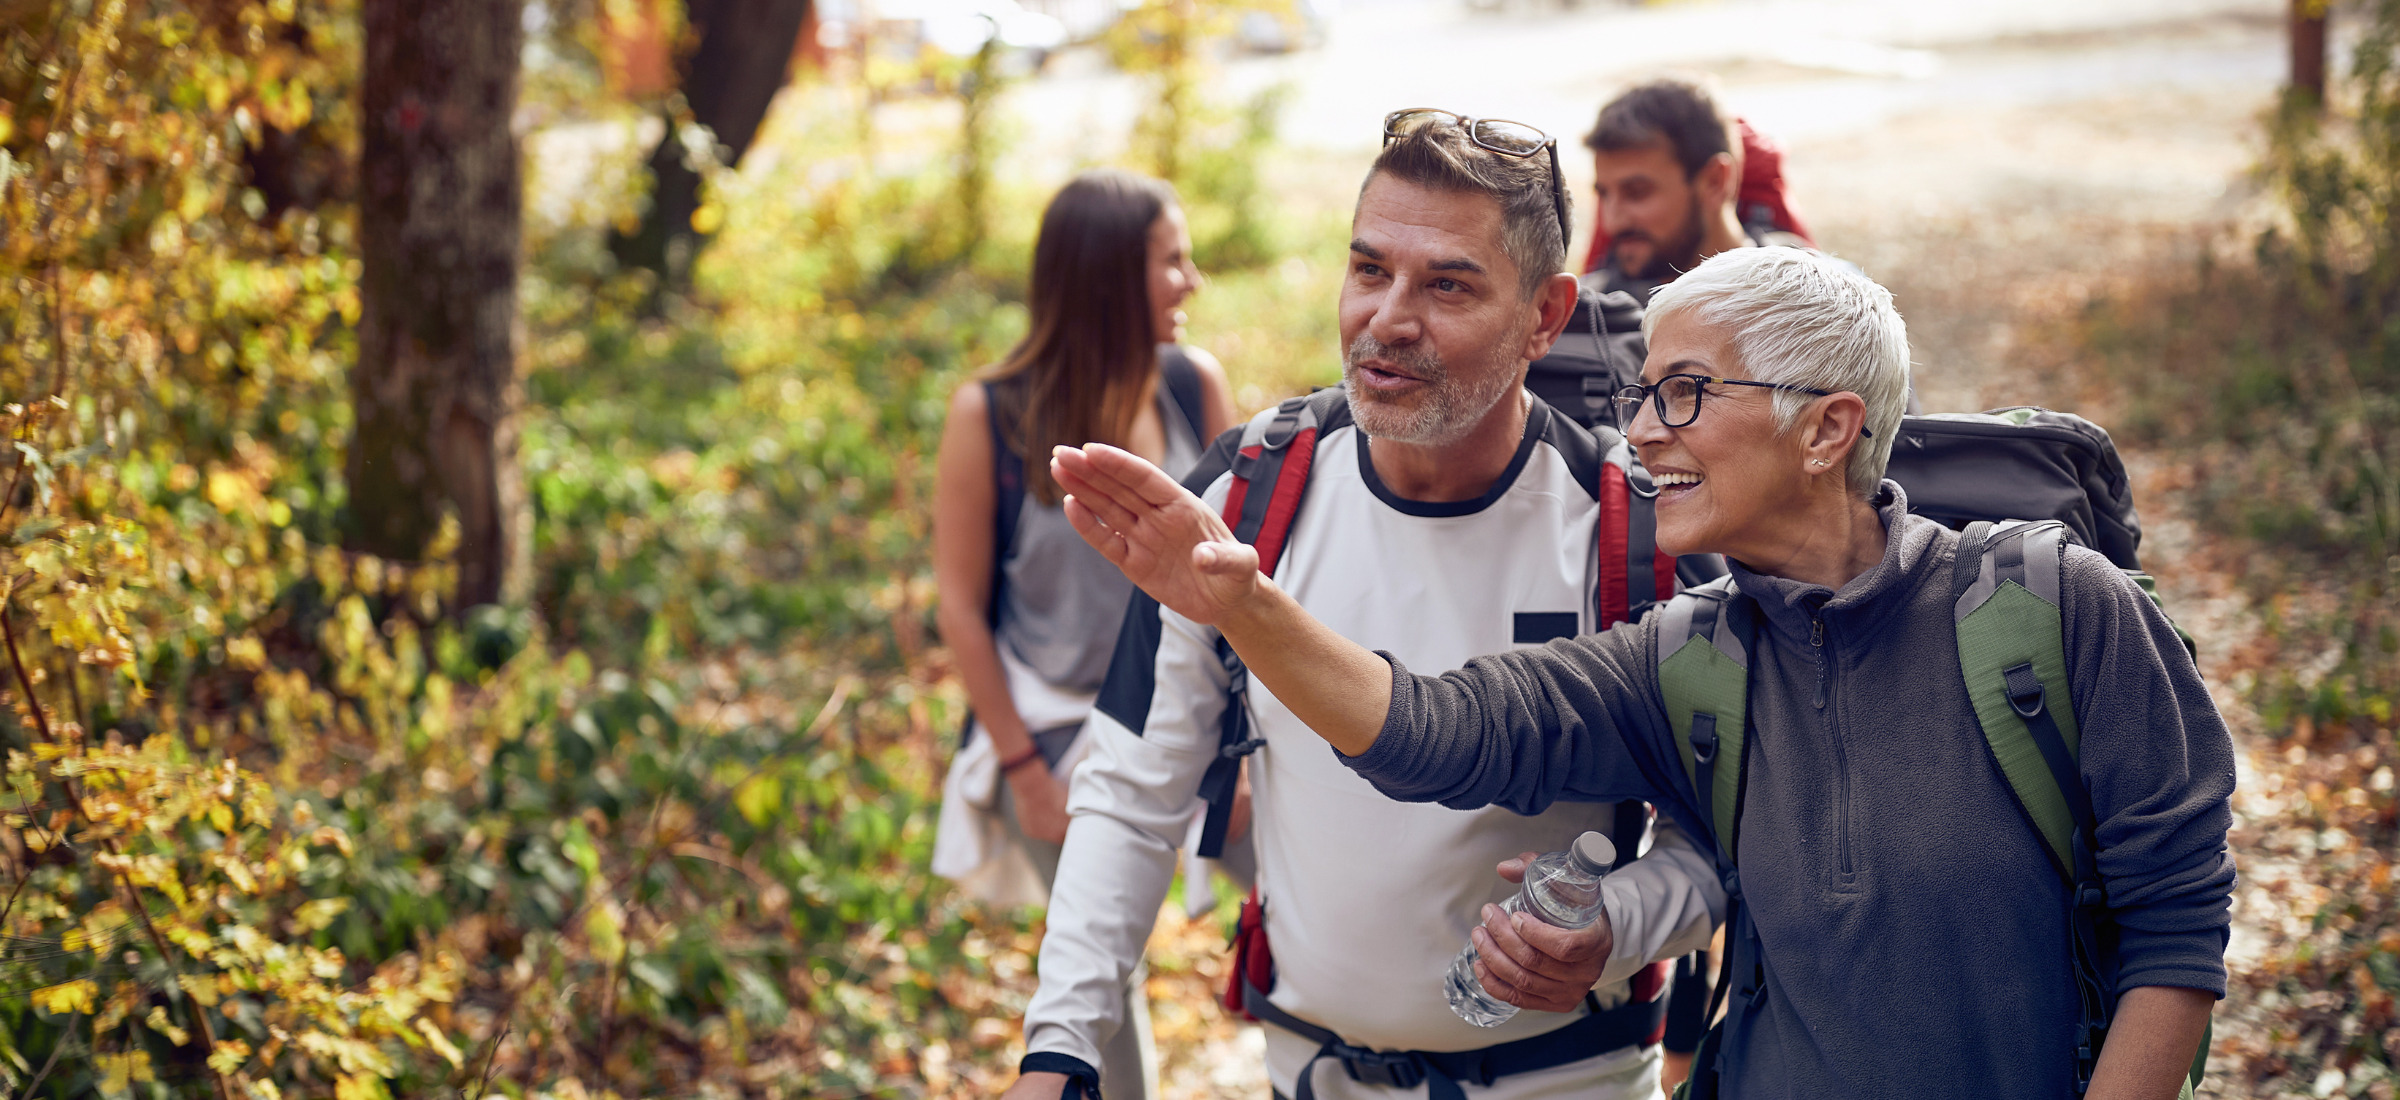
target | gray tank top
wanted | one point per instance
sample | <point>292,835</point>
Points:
<point>1061,602</point>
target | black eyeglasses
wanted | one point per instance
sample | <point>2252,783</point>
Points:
<point>1498,135</point>
<point>1677,398</point>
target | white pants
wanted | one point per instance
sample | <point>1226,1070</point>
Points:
<point>1128,1059</point>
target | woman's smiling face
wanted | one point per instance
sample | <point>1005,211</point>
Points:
<point>1172,276</point>
<point>1728,481</point>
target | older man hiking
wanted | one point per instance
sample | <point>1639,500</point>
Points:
<point>1446,513</point>
<point>1975,790</point>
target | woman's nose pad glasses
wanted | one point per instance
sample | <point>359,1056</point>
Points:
<point>1676,398</point>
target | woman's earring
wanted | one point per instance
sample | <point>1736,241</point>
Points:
<point>1817,462</point>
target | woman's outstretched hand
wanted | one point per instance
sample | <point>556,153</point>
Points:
<point>1170,544</point>
<point>1166,540</point>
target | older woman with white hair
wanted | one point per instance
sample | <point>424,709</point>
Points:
<point>1906,933</point>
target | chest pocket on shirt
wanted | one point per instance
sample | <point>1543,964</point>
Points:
<point>1536,627</point>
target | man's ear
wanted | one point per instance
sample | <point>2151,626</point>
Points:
<point>1555,303</point>
<point>1718,180</point>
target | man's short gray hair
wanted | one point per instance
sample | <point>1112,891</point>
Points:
<point>1803,318</point>
<point>1441,158</point>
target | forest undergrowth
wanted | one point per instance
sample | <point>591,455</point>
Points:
<point>280,820</point>
<point>2264,377</point>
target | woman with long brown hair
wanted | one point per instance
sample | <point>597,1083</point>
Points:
<point>1030,613</point>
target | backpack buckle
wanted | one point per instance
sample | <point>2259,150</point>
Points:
<point>1391,1069</point>
<point>2024,690</point>
<point>1704,739</point>
<point>1281,432</point>
<point>1237,674</point>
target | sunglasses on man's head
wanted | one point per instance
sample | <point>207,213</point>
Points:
<point>1498,135</point>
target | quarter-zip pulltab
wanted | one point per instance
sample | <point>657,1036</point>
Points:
<point>1816,638</point>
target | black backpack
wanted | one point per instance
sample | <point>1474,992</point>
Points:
<point>1600,352</point>
<point>1176,375</point>
<point>2019,463</point>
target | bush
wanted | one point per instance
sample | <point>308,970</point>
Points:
<point>281,822</point>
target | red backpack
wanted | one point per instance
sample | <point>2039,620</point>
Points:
<point>1762,205</point>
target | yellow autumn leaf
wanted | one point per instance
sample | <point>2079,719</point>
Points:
<point>229,491</point>
<point>118,1072</point>
<point>606,933</point>
<point>98,931</point>
<point>441,1043</point>
<point>228,1055</point>
<point>238,872</point>
<point>75,996</point>
<point>759,799</point>
<point>246,652</point>
<point>358,1086</point>
<point>158,1022</point>
<point>203,989</point>
<point>315,915</point>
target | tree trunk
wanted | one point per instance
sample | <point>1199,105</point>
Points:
<point>2308,49</point>
<point>743,59</point>
<point>435,389</point>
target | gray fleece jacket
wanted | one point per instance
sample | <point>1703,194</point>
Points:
<point>1913,935</point>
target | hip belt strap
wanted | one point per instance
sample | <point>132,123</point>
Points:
<point>1440,1071</point>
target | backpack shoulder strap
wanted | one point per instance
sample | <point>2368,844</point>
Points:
<point>1008,496</point>
<point>1704,640</point>
<point>1634,573</point>
<point>1181,380</point>
<point>2012,654</point>
<point>1277,448</point>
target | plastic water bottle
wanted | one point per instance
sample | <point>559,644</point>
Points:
<point>1561,889</point>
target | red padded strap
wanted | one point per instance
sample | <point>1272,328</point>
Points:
<point>1240,490</point>
<point>1616,502</point>
<point>1648,983</point>
<point>1290,482</point>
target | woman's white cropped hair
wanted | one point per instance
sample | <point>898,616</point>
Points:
<point>1805,319</point>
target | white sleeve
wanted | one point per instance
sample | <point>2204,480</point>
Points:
<point>1661,906</point>
<point>1130,804</point>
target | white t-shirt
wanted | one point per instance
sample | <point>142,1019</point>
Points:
<point>1367,899</point>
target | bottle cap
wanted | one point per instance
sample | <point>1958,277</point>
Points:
<point>1593,854</point>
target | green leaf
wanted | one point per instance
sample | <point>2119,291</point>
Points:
<point>33,528</point>
<point>606,934</point>
<point>581,852</point>
<point>759,799</point>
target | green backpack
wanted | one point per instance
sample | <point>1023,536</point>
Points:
<point>2012,654</point>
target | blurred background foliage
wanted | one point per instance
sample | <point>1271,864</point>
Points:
<point>281,821</point>
<point>2275,367</point>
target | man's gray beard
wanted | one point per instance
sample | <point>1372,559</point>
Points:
<point>1447,411</point>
